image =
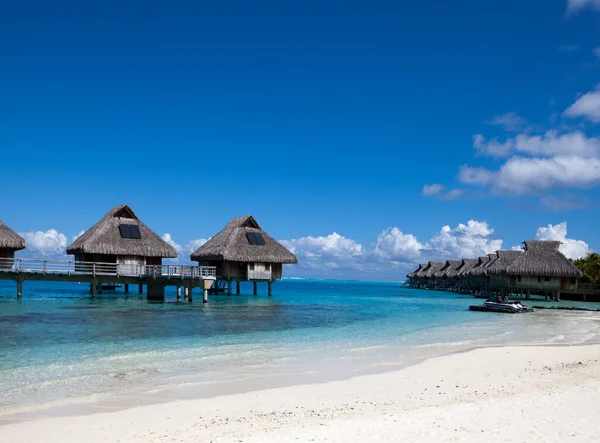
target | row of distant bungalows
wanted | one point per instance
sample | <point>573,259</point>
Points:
<point>538,267</point>
<point>240,251</point>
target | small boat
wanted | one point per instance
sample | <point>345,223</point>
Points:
<point>505,306</point>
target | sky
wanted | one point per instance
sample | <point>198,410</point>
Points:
<point>366,136</point>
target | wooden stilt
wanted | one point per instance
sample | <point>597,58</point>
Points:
<point>126,288</point>
<point>205,296</point>
<point>189,293</point>
<point>91,285</point>
<point>141,288</point>
<point>19,288</point>
<point>557,295</point>
<point>255,288</point>
<point>270,288</point>
<point>94,287</point>
<point>229,287</point>
<point>178,292</point>
<point>237,287</point>
<point>528,295</point>
<point>99,287</point>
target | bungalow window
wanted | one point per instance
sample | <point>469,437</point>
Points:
<point>267,266</point>
<point>251,266</point>
<point>573,280</point>
<point>546,278</point>
<point>539,279</point>
<point>519,278</point>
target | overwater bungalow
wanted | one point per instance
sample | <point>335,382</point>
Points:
<point>10,242</point>
<point>476,277</point>
<point>243,251</point>
<point>417,278</point>
<point>466,265</point>
<point>496,275</point>
<point>541,267</point>
<point>432,269</point>
<point>121,237</point>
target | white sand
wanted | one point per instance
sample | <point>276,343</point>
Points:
<point>517,394</point>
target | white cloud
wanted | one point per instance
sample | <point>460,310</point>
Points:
<point>433,189</point>
<point>395,246</point>
<point>192,245</point>
<point>183,252</point>
<point>50,243</point>
<point>439,191</point>
<point>394,251</point>
<point>75,237</point>
<point>521,175</point>
<point>574,6</point>
<point>315,252</point>
<point>573,249</point>
<point>493,147</point>
<point>588,106</point>
<point>510,121</point>
<point>167,237</point>
<point>597,52</point>
<point>471,240</point>
<point>547,145</point>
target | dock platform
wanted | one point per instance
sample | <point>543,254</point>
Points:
<point>155,277</point>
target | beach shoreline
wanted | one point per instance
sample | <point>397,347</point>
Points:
<point>514,379</point>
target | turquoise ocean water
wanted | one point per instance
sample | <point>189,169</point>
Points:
<point>58,345</point>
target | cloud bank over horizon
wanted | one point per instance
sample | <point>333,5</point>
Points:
<point>392,253</point>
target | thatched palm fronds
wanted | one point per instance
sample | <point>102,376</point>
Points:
<point>479,268</point>
<point>434,266</point>
<point>542,258</point>
<point>232,244</point>
<point>503,261</point>
<point>449,269</point>
<point>415,272</point>
<point>105,238</point>
<point>9,239</point>
<point>466,266</point>
<point>422,271</point>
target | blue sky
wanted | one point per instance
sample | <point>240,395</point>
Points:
<point>316,117</point>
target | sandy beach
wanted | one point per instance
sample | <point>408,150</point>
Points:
<point>508,394</point>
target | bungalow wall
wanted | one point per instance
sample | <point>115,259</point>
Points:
<point>7,257</point>
<point>543,283</point>
<point>247,271</point>
<point>499,281</point>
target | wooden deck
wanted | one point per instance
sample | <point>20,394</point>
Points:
<point>155,277</point>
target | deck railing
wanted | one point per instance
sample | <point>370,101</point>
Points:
<point>68,267</point>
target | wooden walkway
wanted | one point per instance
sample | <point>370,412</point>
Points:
<point>155,277</point>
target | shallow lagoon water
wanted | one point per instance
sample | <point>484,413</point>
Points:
<point>58,344</point>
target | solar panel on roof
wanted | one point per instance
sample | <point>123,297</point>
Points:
<point>125,231</point>
<point>135,231</point>
<point>255,238</point>
<point>130,231</point>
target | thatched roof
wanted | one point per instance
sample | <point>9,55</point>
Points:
<point>449,266</point>
<point>9,239</point>
<point>232,244</point>
<point>504,260</point>
<point>105,238</point>
<point>544,259</point>
<point>434,266</point>
<point>479,268</point>
<point>414,273</point>
<point>467,265</point>
<point>422,271</point>
<point>453,267</point>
